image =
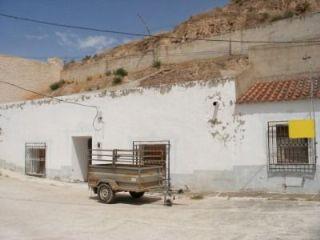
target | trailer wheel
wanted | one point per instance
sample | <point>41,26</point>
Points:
<point>136,194</point>
<point>105,193</point>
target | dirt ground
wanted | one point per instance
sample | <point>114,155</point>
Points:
<point>32,208</point>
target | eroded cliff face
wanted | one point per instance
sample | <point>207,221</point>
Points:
<point>207,69</point>
<point>238,14</point>
<point>241,14</point>
<point>96,72</point>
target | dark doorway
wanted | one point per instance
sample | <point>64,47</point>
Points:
<point>80,157</point>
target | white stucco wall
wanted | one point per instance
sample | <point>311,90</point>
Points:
<point>228,153</point>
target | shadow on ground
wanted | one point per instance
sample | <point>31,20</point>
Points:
<point>127,199</point>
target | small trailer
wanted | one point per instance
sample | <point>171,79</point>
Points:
<point>144,168</point>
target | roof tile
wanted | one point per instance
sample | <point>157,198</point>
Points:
<point>281,90</point>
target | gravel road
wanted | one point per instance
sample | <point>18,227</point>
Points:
<point>33,208</point>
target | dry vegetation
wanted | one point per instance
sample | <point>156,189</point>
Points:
<point>197,70</point>
<point>166,74</point>
<point>241,14</point>
<point>238,14</point>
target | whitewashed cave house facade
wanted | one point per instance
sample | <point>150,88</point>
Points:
<point>219,142</point>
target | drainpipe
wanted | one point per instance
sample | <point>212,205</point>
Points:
<point>307,59</point>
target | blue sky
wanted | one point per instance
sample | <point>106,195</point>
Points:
<point>41,41</point>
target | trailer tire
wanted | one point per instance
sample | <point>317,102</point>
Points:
<point>136,195</point>
<point>105,193</point>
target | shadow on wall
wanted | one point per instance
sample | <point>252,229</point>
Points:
<point>246,178</point>
<point>80,157</point>
<point>299,106</point>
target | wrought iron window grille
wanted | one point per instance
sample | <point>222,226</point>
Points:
<point>35,159</point>
<point>289,156</point>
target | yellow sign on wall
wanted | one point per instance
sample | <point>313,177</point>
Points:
<point>304,128</point>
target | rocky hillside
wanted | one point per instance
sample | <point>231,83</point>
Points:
<point>167,74</point>
<point>238,14</point>
<point>241,14</point>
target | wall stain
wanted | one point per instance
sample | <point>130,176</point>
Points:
<point>225,129</point>
<point>163,89</point>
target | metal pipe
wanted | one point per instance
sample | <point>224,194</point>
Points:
<point>307,59</point>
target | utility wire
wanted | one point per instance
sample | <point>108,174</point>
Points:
<point>46,57</point>
<point>58,99</point>
<point>140,55</point>
<point>146,35</point>
<point>144,23</point>
<point>149,32</point>
<point>71,26</point>
<point>47,96</point>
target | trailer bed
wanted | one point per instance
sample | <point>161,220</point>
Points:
<point>144,168</point>
<point>125,177</point>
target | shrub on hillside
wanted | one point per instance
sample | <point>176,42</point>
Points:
<point>120,72</point>
<point>302,7</point>
<point>287,14</point>
<point>156,64</point>
<point>263,17</point>
<point>56,85</point>
<point>86,58</point>
<point>117,80</point>
<point>240,2</point>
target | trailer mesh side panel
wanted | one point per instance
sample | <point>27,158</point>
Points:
<point>155,153</point>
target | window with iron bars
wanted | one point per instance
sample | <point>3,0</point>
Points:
<point>35,159</point>
<point>286,154</point>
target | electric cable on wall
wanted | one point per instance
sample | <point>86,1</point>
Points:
<point>59,100</point>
